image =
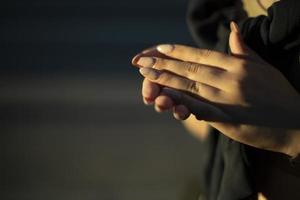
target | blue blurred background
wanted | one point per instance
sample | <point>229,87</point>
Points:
<point>73,125</point>
<point>85,35</point>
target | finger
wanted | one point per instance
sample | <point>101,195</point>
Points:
<point>151,52</point>
<point>158,109</point>
<point>198,72</point>
<point>238,46</point>
<point>150,90</point>
<point>147,102</point>
<point>173,81</point>
<point>164,102</point>
<point>196,55</point>
<point>181,112</point>
<point>200,109</point>
<point>236,43</point>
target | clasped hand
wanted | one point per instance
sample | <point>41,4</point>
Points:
<point>240,94</point>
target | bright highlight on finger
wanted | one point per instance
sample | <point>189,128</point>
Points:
<point>165,48</point>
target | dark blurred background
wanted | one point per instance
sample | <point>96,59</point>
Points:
<point>73,125</point>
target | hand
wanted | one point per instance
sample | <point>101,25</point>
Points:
<point>240,94</point>
<point>153,93</point>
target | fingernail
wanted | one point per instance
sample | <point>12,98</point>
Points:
<point>146,61</point>
<point>148,101</point>
<point>149,73</point>
<point>135,59</point>
<point>157,109</point>
<point>234,27</point>
<point>165,48</point>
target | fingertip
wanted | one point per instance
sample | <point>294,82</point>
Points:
<point>148,52</point>
<point>148,101</point>
<point>165,48</point>
<point>135,60</point>
<point>150,90</point>
<point>234,27</point>
<point>158,109</point>
<point>180,117</point>
<point>236,41</point>
<point>181,112</point>
<point>164,102</point>
<point>177,116</point>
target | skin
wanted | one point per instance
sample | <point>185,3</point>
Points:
<point>267,184</point>
<point>223,90</point>
<point>153,95</point>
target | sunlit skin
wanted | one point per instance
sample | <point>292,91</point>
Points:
<point>240,94</point>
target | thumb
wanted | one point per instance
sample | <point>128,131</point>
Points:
<point>238,46</point>
<point>236,42</point>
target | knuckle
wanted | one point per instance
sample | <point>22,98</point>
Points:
<point>207,52</point>
<point>164,78</point>
<point>216,93</point>
<point>192,68</point>
<point>236,83</point>
<point>193,86</point>
<point>242,65</point>
<point>204,53</point>
<point>216,72</point>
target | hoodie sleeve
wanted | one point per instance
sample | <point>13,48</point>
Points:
<point>208,21</point>
<point>276,38</point>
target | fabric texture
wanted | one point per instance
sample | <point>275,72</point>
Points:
<point>227,170</point>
